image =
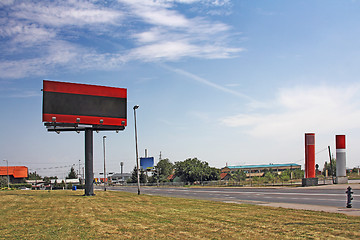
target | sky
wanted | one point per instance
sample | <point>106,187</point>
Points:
<point>228,82</point>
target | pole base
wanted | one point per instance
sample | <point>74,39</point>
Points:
<point>341,180</point>
<point>310,182</point>
<point>89,194</point>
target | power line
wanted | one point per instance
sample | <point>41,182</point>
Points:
<point>55,167</point>
<point>303,159</point>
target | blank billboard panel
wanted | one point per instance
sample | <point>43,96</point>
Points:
<point>84,104</point>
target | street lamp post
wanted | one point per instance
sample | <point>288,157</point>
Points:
<point>104,137</point>
<point>7,168</point>
<point>137,155</point>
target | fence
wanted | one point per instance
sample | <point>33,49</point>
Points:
<point>259,182</point>
<point>221,183</point>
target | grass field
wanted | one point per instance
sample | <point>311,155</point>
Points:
<point>120,215</point>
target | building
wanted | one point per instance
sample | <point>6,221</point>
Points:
<point>173,178</point>
<point>225,176</point>
<point>37,184</point>
<point>120,177</point>
<point>259,170</point>
<point>16,173</point>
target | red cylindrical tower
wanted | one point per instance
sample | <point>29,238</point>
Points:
<point>309,155</point>
<point>340,156</point>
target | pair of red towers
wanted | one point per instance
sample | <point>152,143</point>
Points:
<point>310,155</point>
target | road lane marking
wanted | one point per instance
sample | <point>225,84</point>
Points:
<point>265,193</point>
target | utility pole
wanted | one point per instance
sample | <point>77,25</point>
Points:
<point>7,169</point>
<point>104,137</point>
<point>158,171</point>
<point>79,174</point>
<point>83,172</point>
<point>331,166</point>
<point>121,172</point>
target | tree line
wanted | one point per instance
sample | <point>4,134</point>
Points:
<point>190,170</point>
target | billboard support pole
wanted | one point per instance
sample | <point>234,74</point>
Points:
<point>137,153</point>
<point>89,173</point>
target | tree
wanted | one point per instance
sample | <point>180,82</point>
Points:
<point>269,176</point>
<point>47,180</point>
<point>3,181</point>
<point>62,184</point>
<point>285,176</point>
<point>239,175</point>
<point>163,169</point>
<point>329,166</point>
<point>72,174</point>
<point>192,170</point>
<point>56,184</point>
<point>213,174</point>
<point>298,174</point>
<point>133,178</point>
<point>152,179</point>
<point>34,176</point>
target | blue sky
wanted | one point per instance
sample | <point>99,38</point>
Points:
<point>236,82</point>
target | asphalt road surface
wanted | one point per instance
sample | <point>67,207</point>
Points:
<point>321,196</point>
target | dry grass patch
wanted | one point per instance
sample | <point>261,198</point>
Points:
<point>120,215</point>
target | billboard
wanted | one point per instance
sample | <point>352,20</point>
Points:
<point>15,171</point>
<point>76,103</point>
<point>147,163</point>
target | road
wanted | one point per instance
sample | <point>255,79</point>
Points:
<point>324,197</point>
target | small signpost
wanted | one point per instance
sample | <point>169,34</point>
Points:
<point>83,107</point>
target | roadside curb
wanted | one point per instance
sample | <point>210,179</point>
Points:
<point>347,211</point>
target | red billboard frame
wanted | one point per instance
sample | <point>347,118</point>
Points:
<point>75,103</point>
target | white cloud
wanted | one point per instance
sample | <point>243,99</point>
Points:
<point>22,68</point>
<point>195,37</point>
<point>320,109</point>
<point>157,14</point>
<point>66,13</point>
<point>57,54</point>
<point>41,36</point>
<point>207,82</point>
<point>220,2</point>
<point>6,2</point>
<point>164,50</point>
<point>209,2</point>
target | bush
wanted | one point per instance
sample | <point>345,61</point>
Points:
<point>19,185</point>
<point>3,181</point>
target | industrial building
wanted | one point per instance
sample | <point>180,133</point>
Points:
<point>16,174</point>
<point>120,177</point>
